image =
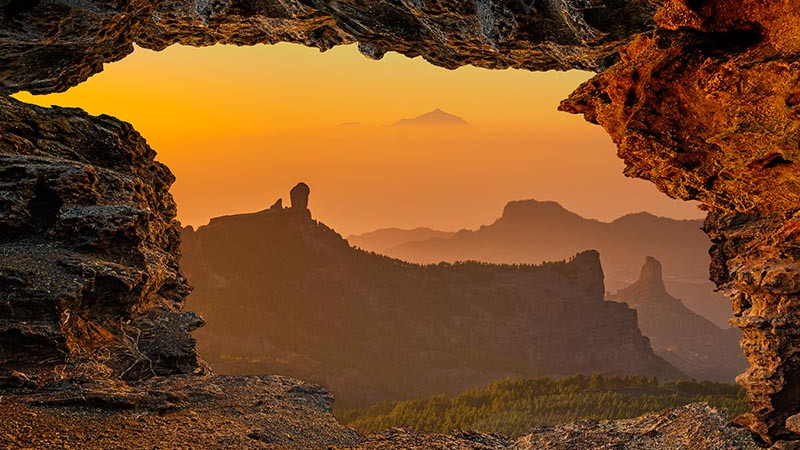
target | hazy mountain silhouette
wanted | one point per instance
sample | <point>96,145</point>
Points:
<point>435,118</point>
<point>385,238</point>
<point>688,341</point>
<point>531,231</point>
<point>283,293</point>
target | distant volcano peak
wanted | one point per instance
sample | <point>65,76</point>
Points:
<point>436,118</point>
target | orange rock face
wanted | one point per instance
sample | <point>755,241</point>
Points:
<point>707,107</point>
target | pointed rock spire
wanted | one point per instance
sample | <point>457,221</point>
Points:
<point>299,196</point>
<point>651,274</point>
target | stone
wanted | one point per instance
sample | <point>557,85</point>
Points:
<point>88,250</point>
<point>299,196</point>
<point>75,38</point>
<point>686,340</point>
<point>180,411</point>
<point>793,423</point>
<point>707,108</point>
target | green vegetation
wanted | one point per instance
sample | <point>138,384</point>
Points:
<point>513,407</point>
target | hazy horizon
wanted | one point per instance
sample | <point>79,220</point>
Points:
<point>237,125</point>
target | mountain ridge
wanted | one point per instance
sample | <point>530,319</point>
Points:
<point>532,231</point>
<point>285,293</point>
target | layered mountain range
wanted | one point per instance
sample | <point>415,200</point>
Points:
<point>530,232</point>
<point>285,294</point>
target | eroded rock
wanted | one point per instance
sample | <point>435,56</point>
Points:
<point>51,46</point>
<point>179,411</point>
<point>707,108</point>
<point>89,250</point>
<point>299,196</point>
<point>686,340</point>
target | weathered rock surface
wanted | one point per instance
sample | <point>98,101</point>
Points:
<point>89,278</point>
<point>756,261</point>
<point>694,426</point>
<point>708,108</point>
<point>371,328</point>
<point>180,411</point>
<point>50,46</point>
<point>686,340</point>
<point>282,413</point>
<point>531,232</point>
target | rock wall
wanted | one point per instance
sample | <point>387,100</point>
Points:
<point>51,46</point>
<point>89,278</point>
<point>707,108</point>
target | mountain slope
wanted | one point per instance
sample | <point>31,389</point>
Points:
<point>531,232</point>
<point>688,341</point>
<point>285,294</point>
<point>435,118</point>
<point>383,239</point>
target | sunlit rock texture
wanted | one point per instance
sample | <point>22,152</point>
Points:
<point>707,107</point>
<point>50,46</point>
<point>89,278</point>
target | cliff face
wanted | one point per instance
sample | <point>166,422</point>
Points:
<point>283,293</point>
<point>688,341</point>
<point>88,250</point>
<point>706,108</point>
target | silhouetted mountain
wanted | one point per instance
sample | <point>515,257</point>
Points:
<point>283,293</point>
<point>531,232</point>
<point>435,118</point>
<point>688,341</point>
<point>383,239</point>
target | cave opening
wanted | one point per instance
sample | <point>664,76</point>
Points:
<point>687,113</point>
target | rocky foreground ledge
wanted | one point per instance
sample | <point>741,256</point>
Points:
<point>187,411</point>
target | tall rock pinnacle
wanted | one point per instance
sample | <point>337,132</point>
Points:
<point>651,275</point>
<point>299,196</point>
<point>686,340</point>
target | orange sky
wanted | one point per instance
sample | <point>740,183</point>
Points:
<point>240,125</point>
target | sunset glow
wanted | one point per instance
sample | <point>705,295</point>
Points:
<point>239,125</point>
